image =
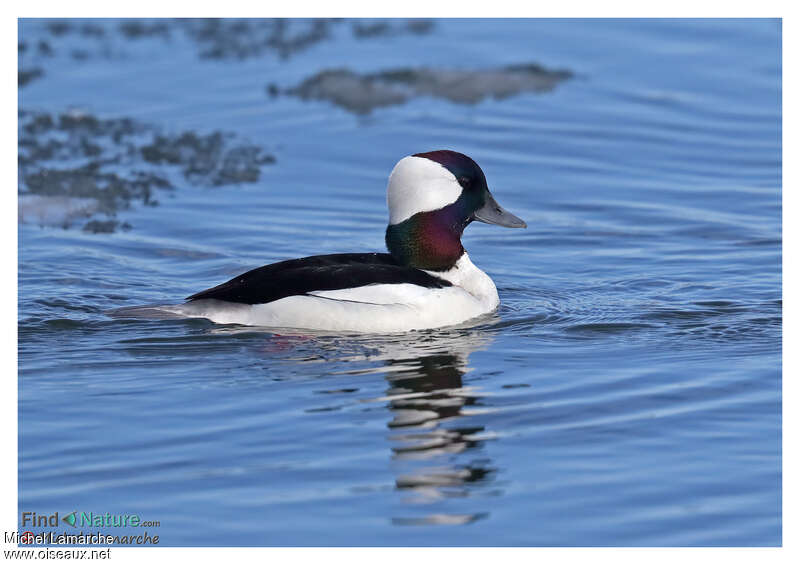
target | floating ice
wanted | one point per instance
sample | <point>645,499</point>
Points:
<point>361,93</point>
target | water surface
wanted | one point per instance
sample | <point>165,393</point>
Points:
<point>626,392</point>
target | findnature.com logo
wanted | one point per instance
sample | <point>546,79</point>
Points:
<point>78,519</point>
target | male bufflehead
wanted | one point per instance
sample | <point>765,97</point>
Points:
<point>425,281</point>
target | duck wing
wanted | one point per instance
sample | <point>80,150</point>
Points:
<point>318,273</point>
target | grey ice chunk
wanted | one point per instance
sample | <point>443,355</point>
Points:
<point>362,93</point>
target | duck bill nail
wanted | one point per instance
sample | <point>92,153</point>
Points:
<point>492,213</point>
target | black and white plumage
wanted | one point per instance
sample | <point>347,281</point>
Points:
<point>318,273</point>
<point>425,281</point>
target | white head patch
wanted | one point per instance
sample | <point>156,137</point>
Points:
<point>417,185</point>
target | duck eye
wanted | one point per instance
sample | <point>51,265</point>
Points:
<point>464,181</point>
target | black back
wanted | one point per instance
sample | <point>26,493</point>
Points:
<point>320,272</point>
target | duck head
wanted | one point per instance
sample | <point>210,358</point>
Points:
<point>432,197</point>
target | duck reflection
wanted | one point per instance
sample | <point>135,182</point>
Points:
<point>430,434</point>
<point>435,444</point>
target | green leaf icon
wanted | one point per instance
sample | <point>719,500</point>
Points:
<point>70,519</point>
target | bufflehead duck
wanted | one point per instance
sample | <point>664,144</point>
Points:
<point>425,281</point>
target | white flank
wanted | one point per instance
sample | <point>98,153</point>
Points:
<point>379,308</point>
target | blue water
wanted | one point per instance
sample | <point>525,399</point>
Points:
<point>626,392</point>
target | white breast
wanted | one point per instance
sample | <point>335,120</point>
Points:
<point>374,308</point>
<point>469,277</point>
